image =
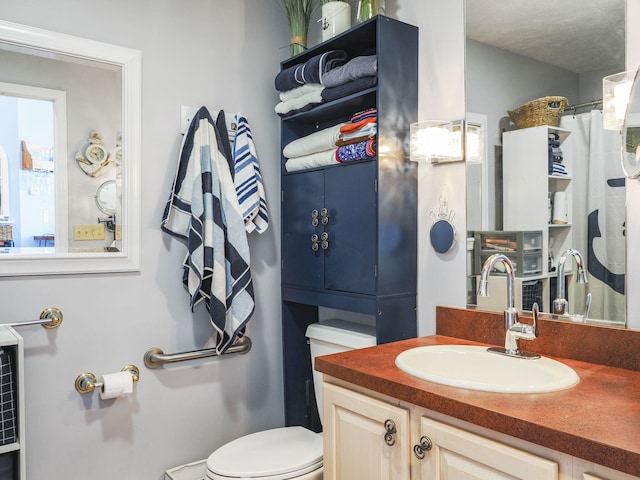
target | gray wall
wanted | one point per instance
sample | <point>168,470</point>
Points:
<point>498,81</point>
<point>223,54</point>
<point>195,52</point>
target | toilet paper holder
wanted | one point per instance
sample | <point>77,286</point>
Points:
<point>87,382</point>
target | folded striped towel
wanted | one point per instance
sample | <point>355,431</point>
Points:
<point>359,125</point>
<point>248,179</point>
<point>370,112</point>
<point>310,71</point>
<point>367,130</point>
<point>203,211</point>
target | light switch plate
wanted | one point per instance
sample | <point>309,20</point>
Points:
<point>88,232</point>
<point>186,115</point>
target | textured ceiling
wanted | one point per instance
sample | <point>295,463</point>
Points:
<point>578,35</point>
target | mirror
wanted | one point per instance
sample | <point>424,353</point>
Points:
<point>511,60</point>
<point>106,197</point>
<point>631,133</point>
<point>32,135</point>
<point>59,177</point>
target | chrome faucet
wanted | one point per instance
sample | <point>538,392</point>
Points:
<point>511,312</point>
<point>561,304</point>
<point>520,331</point>
<point>514,329</point>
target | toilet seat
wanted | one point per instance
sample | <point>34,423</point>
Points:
<point>277,454</point>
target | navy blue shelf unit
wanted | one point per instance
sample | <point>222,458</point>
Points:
<point>369,265</point>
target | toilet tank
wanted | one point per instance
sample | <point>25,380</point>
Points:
<point>335,336</point>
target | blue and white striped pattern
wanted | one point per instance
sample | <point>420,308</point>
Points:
<point>203,210</point>
<point>248,179</point>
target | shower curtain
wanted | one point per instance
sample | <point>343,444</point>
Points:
<point>598,212</point>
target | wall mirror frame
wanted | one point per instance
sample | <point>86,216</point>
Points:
<point>22,38</point>
<point>488,46</point>
<point>631,133</point>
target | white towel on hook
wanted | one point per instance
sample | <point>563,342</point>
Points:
<point>248,179</point>
<point>203,210</point>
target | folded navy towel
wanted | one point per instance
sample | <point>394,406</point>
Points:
<point>311,71</point>
<point>333,93</point>
<point>363,66</point>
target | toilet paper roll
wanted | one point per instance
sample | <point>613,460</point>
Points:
<point>560,213</point>
<point>116,385</point>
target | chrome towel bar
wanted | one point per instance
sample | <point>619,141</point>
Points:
<point>155,357</point>
<point>49,318</point>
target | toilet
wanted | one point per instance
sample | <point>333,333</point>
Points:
<point>289,452</point>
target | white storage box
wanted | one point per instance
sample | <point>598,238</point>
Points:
<point>190,471</point>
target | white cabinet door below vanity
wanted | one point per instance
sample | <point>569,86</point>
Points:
<point>354,437</point>
<point>460,455</point>
<point>355,447</point>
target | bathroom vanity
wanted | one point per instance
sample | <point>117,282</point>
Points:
<point>402,427</point>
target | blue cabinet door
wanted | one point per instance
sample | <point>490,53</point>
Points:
<point>302,194</point>
<point>351,202</point>
<point>344,256</point>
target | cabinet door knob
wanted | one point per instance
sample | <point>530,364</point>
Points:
<point>314,217</point>
<point>325,240</point>
<point>315,245</point>
<point>390,432</point>
<point>324,213</point>
<point>420,449</point>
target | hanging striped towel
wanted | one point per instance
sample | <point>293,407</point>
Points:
<point>203,210</point>
<point>248,179</point>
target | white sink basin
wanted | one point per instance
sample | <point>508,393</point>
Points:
<point>468,366</point>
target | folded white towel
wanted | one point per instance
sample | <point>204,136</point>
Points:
<point>313,97</point>
<point>315,142</point>
<point>319,159</point>
<point>300,91</point>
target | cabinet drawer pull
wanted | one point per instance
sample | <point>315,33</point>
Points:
<point>390,433</point>
<point>420,449</point>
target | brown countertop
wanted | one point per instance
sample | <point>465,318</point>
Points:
<point>597,420</point>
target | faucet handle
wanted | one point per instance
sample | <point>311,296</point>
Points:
<point>535,311</point>
<point>587,306</point>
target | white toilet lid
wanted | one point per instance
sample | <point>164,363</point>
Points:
<point>274,454</point>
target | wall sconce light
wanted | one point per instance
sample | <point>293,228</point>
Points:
<point>615,96</point>
<point>437,141</point>
<point>474,143</point>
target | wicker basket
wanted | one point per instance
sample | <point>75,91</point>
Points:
<point>6,233</point>
<point>542,111</point>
